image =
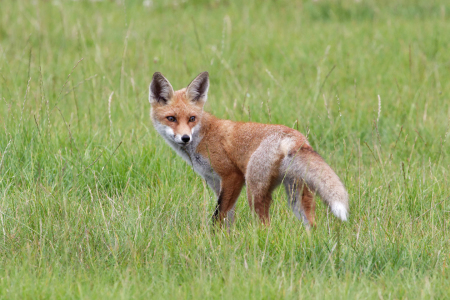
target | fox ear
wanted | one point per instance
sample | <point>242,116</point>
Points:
<point>161,90</point>
<point>197,90</point>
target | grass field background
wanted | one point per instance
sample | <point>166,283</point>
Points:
<point>94,204</point>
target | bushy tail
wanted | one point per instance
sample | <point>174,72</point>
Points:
<point>321,179</point>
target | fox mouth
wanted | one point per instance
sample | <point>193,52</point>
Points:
<point>183,144</point>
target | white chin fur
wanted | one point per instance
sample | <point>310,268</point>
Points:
<point>339,210</point>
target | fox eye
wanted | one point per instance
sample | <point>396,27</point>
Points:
<point>171,119</point>
<point>192,119</point>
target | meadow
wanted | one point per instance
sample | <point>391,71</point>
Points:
<point>94,204</point>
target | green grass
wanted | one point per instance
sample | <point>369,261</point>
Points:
<point>94,204</point>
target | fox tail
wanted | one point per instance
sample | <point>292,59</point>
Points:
<point>308,166</point>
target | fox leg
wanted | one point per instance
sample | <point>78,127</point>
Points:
<point>230,215</point>
<point>215,186</point>
<point>292,192</point>
<point>230,188</point>
<point>261,204</point>
<point>308,205</point>
<point>301,201</point>
<point>262,176</point>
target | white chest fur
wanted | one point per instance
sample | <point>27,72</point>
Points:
<point>199,163</point>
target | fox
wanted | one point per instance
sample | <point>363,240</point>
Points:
<point>229,155</point>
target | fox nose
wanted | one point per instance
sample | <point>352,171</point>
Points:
<point>185,138</point>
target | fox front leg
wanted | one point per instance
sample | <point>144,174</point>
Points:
<point>230,188</point>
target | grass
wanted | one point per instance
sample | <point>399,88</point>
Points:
<point>94,204</point>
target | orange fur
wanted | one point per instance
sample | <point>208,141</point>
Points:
<point>259,155</point>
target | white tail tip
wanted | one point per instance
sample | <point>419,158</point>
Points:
<point>339,210</point>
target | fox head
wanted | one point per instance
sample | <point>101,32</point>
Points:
<point>176,114</point>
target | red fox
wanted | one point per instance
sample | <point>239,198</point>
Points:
<point>230,154</point>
